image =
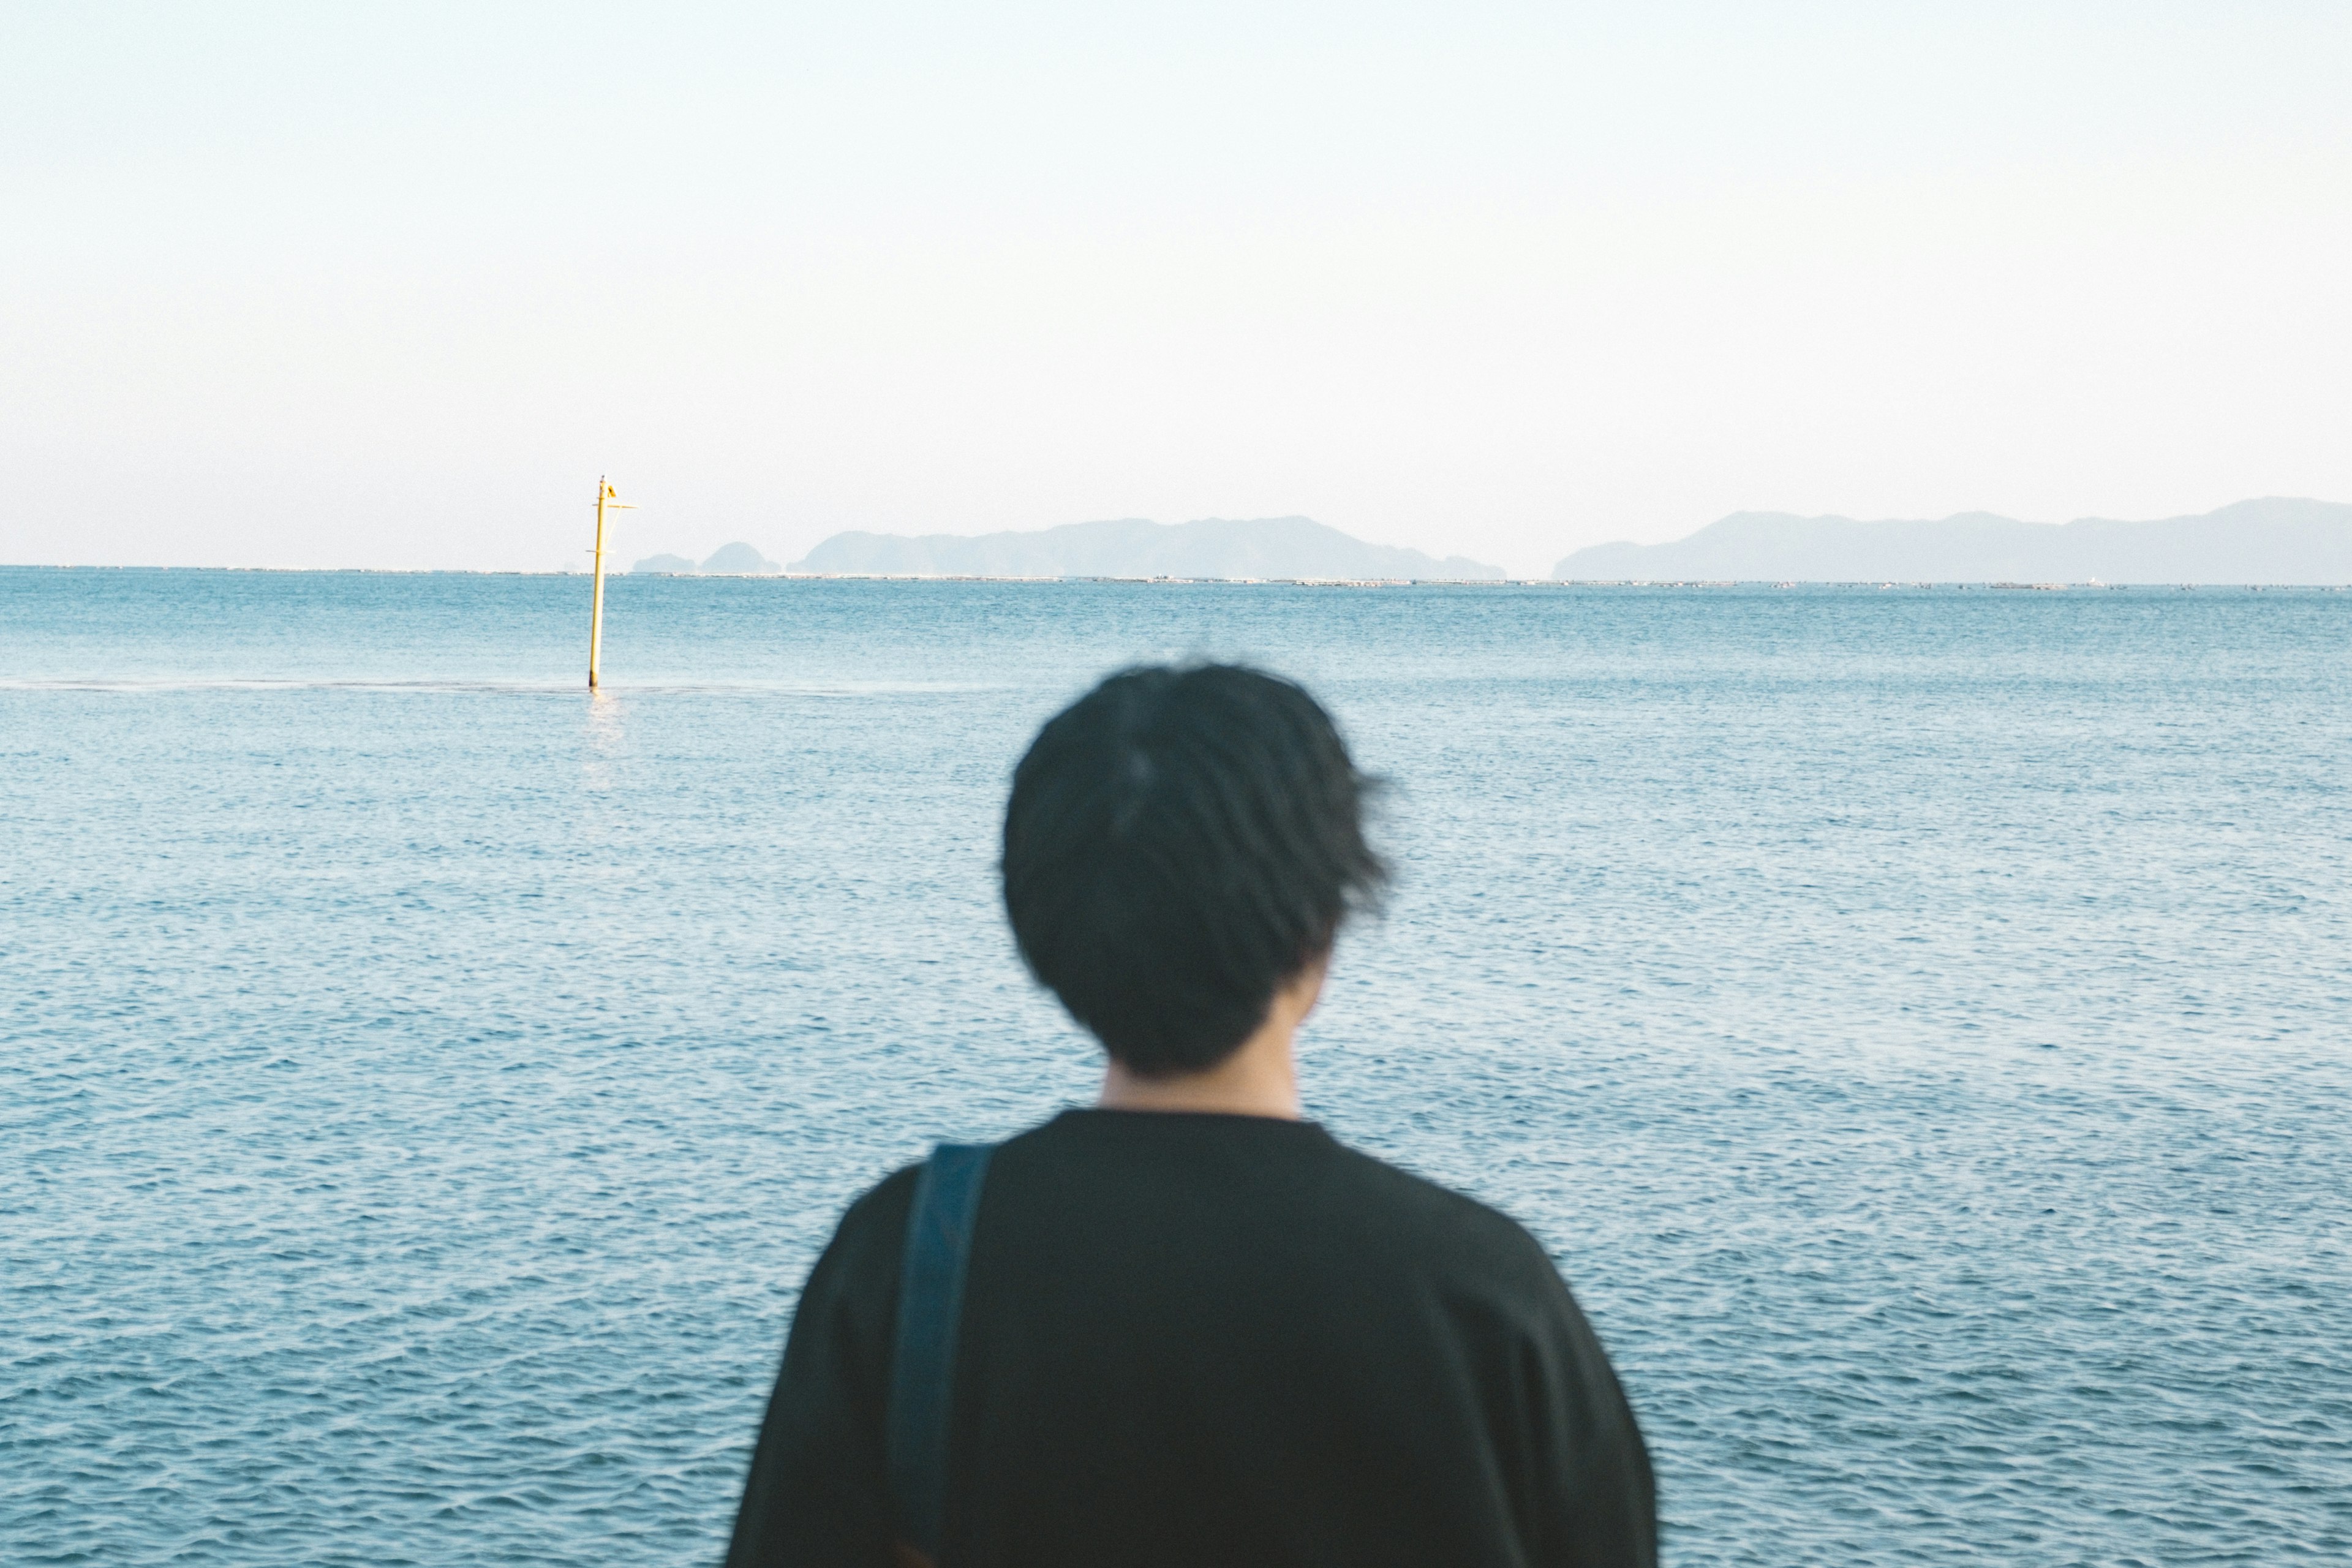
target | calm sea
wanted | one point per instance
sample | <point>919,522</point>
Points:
<point>1918,1021</point>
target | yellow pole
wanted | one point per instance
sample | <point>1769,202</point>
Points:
<point>596,614</point>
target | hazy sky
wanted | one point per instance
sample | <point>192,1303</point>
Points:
<point>346,285</point>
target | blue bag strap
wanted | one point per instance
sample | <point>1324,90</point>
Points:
<point>922,1362</point>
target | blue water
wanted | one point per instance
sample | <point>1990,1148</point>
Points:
<point>1920,1021</point>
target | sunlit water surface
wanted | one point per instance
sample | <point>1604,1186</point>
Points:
<point>1918,1020</point>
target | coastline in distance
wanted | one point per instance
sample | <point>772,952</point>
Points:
<point>736,560</point>
<point>1271,547</point>
<point>2276,539</point>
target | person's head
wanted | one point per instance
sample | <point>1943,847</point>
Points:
<point>1181,843</point>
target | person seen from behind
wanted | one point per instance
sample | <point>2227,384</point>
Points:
<point>1184,1325</point>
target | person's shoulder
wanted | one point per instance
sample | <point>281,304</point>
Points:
<point>885,1203</point>
<point>1456,1229</point>
<point>873,1226</point>
<point>875,1220</point>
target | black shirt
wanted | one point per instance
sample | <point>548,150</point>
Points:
<point>1211,1339</point>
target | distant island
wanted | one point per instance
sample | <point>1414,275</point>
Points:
<point>1267,547</point>
<point>2276,539</point>
<point>737,560</point>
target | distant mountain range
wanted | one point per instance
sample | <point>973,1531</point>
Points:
<point>1131,547</point>
<point>736,560</point>
<point>2276,540</point>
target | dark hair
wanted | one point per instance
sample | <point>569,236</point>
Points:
<point>1180,843</point>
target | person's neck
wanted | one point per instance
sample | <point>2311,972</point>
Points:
<point>1259,1078</point>
<point>1238,1086</point>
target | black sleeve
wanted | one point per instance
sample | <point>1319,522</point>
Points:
<point>1597,1503</point>
<point>817,1494</point>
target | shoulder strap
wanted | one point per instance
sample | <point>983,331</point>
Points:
<point>922,1363</point>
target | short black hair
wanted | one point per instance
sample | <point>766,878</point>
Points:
<point>1180,842</point>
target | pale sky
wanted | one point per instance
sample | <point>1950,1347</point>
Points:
<point>391,285</point>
